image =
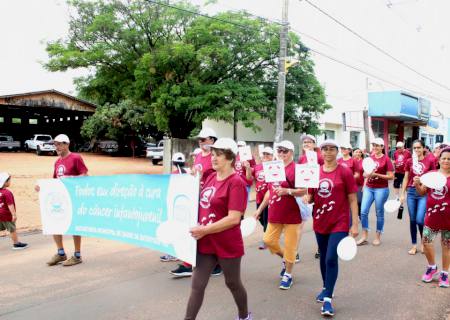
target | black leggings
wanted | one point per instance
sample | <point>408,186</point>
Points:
<point>200,277</point>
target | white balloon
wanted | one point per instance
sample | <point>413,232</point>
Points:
<point>368,165</point>
<point>391,205</point>
<point>434,180</point>
<point>248,225</point>
<point>347,249</point>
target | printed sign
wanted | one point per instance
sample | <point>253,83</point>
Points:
<point>245,153</point>
<point>307,175</point>
<point>311,156</point>
<point>274,171</point>
<point>153,211</point>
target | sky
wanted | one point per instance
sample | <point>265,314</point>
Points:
<point>414,32</point>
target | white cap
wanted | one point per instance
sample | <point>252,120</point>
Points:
<point>178,157</point>
<point>196,151</point>
<point>286,144</point>
<point>268,150</point>
<point>378,141</point>
<point>227,144</point>
<point>241,143</point>
<point>346,145</point>
<point>4,176</point>
<point>62,138</point>
<point>308,136</point>
<point>206,133</point>
<point>400,144</point>
<point>330,142</point>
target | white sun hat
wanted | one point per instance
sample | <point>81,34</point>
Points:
<point>346,145</point>
<point>378,141</point>
<point>268,150</point>
<point>226,144</point>
<point>400,144</point>
<point>329,142</point>
<point>178,157</point>
<point>286,144</point>
<point>308,136</point>
<point>4,176</point>
<point>206,133</point>
<point>62,138</point>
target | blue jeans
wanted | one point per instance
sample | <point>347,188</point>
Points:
<point>417,206</point>
<point>380,195</point>
<point>329,259</point>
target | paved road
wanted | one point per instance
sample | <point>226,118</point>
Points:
<point>118,281</point>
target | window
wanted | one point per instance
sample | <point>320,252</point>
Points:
<point>16,120</point>
<point>76,117</point>
<point>2,119</point>
<point>329,134</point>
<point>354,138</point>
<point>378,128</point>
<point>33,121</point>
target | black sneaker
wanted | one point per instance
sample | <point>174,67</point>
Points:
<point>20,246</point>
<point>217,271</point>
<point>182,271</point>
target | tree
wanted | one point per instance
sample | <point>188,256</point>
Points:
<point>174,68</point>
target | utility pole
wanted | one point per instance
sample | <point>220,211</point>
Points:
<point>282,73</point>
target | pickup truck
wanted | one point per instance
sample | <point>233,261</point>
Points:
<point>7,143</point>
<point>156,152</point>
<point>41,143</point>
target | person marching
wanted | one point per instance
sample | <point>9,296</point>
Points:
<point>437,220</point>
<point>401,155</point>
<point>223,201</point>
<point>69,164</point>
<point>358,157</point>
<point>244,168</point>
<point>333,201</point>
<point>347,160</point>
<point>377,190</point>
<point>261,189</point>
<point>284,214</point>
<point>203,166</point>
<point>416,202</point>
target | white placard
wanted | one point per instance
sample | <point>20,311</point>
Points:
<point>307,175</point>
<point>245,153</point>
<point>311,156</point>
<point>274,171</point>
<point>415,160</point>
<point>260,150</point>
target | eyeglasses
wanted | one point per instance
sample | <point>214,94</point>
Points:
<point>202,139</point>
<point>285,151</point>
<point>266,154</point>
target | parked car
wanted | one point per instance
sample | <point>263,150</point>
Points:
<point>130,143</point>
<point>41,143</point>
<point>107,146</point>
<point>7,143</point>
<point>155,153</point>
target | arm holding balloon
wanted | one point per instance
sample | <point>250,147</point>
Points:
<point>420,188</point>
<point>404,186</point>
<point>388,176</point>
<point>232,219</point>
<point>353,200</point>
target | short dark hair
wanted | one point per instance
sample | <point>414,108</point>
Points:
<point>229,155</point>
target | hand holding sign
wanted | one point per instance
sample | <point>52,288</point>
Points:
<point>274,171</point>
<point>307,175</point>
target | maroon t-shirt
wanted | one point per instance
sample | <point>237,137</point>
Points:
<point>331,211</point>
<point>349,163</point>
<point>6,198</point>
<point>240,170</point>
<point>437,216</point>
<point>72,165</point>
<point>400,158</point>
<point>423,166</point>
<point>217,198</point>
<point>302,158</point>
<point>284,209</point>
<point>360,170</point>
<point>384,165</point>
<point>261,186</point>
<point>203,164</point>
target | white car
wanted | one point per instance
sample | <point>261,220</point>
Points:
<point>42,143</point>
<point>155,152</point>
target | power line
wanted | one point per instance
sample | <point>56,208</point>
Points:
<point>375,46</point>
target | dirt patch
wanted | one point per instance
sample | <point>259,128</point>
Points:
<point>27,168</point>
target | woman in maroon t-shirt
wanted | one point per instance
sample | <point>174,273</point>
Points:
<point>377,190</point>
<point>333,201</point>
<point>416,202</point>
<point>223,200</point>
<point>284,214</point>
<point>437,220</point>
<point>358,157</point>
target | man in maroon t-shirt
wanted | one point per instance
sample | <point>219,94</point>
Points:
<point>68,164</point>
<point>400,157</point>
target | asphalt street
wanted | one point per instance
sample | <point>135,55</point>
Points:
<point>119,281</point>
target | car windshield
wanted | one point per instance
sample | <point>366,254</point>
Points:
<point>43,138</point>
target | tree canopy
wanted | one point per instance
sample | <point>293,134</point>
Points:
<point>154,66</point>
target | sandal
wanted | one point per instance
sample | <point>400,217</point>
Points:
<point>413,251</point>
<point>362,242</point>
<point>376,242</point>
